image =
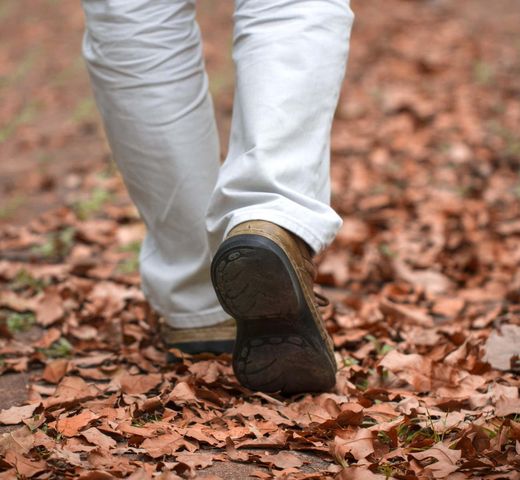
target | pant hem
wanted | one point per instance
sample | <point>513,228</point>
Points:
<point>206,318</point>
<point>316,242</point>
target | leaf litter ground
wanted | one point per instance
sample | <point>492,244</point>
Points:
<point>424,278</point>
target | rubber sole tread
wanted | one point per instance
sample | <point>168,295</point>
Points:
<point>279,346</point>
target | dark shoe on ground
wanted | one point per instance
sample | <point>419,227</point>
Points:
<point>217,339</point>
<point>264,278</point>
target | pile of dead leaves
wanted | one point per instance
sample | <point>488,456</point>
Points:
<point>427,386</point>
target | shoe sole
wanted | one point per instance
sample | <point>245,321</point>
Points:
<point>280,346</point>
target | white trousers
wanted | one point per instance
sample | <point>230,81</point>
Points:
<point>146,66</point>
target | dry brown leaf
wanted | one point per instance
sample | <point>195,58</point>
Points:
<point>100,458</point>
<point>96,475</point>
<point>95,437</point>
<point>21,440</point>
<point>15,415</point>
<point>196,460</point>
<point>49,308</point>
<point>359,445</point>
<point>71,390</point>
<point>137,384</point>
<point>251,410</point>
<point>282,460</point>
<point>166,444</point>
<point>55,370</point>
<point>359,473</point>
<point>16,302</point>
<point>334,269</point>
<point>502,347</point>
<point>425,375</point>
<point>406,313</point>
<point>432,281</point>
<point>182,392</point>
<point>24,466</point>
<point>8,474</point>
<point>233,453</point>
<point>446,460</point>
<point>70,426</point>
<point>48,338</point>
<point>448,307</point>
<point>140,474</point>
<point>507,406</point>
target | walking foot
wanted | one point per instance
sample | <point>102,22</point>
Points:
<point>263,276</point>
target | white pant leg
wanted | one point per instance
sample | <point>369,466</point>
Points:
<point>290,59</point>
<point>146,66</point>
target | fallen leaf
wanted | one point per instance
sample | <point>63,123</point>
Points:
<point>49,308</point>
<point>448,307</point>
<point>432,281</point>
<point>138,384</point>
<point>162,445</point>
<point>195,460</point>
<point>359,446</point>
<point>24,467</point>
<point>15,415</point>
<point>55,370</point>
<point>359,473</point>
<point>282,460</point>
<point>406,313</point>
<point>70,426</point>
<point>233,453</point>
<point>446,460</point>
<point>95,437</point>
<point>502,346</point>
<point>71,390</point>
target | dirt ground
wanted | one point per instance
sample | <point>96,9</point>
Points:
<point>424,275</point>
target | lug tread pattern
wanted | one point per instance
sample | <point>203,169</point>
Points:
<point>274,350</point>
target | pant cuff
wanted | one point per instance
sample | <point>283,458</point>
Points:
<point>195,320</point>
<point>315,241</point>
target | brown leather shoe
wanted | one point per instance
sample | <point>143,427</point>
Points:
<point>263,276</point>
<point>219,338</point>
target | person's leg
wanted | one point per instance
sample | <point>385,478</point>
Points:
<point>146,66</point>
<point>290,59</point>
<point>271,202</point>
